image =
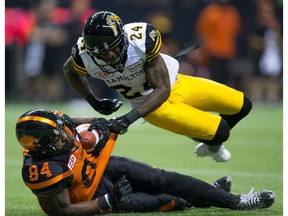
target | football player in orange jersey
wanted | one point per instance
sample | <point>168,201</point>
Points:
<point>67,180</point>
<point>128,59</point>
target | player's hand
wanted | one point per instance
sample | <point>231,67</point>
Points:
<point>102,126</point>
<point>106,106</point>
<point>99,124</point>
<point>119,125</point>
<point>121,191</point>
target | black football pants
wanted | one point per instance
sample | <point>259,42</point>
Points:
<point>154,188</point>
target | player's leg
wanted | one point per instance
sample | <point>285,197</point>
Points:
<point>233,119</point>
<point>208,95</point>
<point>227,102</point>
<point>145,178</point>
<point>151,180</point>
<point>139,201</point>
<point>135,171</point>
<point>186,120</point>
<point>143,202</point>
<point>144,198</point>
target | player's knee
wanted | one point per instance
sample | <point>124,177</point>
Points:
<point>246,108</point>
<point>222,133</point>
<point>158,179</point>
<point>122,164</point>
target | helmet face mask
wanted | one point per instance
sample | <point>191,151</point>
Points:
<point>53,149</point>
<point>103,32</point>
<point>39,130</point>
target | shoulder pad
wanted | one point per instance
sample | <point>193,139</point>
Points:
<point>42,173</point>
<point>153,42</point>
<point>78,64</point>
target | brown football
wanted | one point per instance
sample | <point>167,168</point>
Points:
<point>88,139</point>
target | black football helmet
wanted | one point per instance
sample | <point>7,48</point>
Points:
<point>104,31</point>
<point>38,130</point>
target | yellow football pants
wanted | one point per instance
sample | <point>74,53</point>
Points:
<point>194,106</point>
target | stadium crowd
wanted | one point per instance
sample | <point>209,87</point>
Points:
<point>39,36</point>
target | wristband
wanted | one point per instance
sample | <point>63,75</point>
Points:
<point>103,202</point>
<point>132,116</point>
<point>107,200</point>
<point>92,120</point>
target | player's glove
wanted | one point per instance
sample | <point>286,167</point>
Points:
<point>120,124</point>
<point>102,126</point>
<point>120,193</point>
<point>104,106</point>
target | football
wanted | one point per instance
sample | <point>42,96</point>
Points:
<point>88,139</point>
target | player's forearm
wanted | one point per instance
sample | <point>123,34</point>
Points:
<point>84,208</point>
<point>153,101</point>
<point>62,206</point>
<point>59,204</point>
<point>82,120</point>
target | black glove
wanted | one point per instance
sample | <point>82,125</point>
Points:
<point>120,124</point>
<point>121,191</point>
<point>102,126</point>
<point>107,106</point>
<point>104,106</point>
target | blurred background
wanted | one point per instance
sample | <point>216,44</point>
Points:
<point>241,43</point>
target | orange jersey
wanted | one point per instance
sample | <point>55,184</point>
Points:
<point>79,171</point>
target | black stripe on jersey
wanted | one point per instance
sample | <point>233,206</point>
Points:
<point>153,42</point>
<point>78,64</point>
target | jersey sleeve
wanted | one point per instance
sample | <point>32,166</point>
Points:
<point>45,176</point>
<point>78,64</point>
<point>153,42</point>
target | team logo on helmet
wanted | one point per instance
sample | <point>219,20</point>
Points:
<point>153,34</point>
<point>112,21</point>
<point>28,142</point>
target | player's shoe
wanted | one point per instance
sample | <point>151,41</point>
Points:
<point>221,155</point>
<point>224,183</point>
<point>257,200</point>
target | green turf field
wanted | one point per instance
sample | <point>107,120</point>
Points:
<point>255,144</point>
